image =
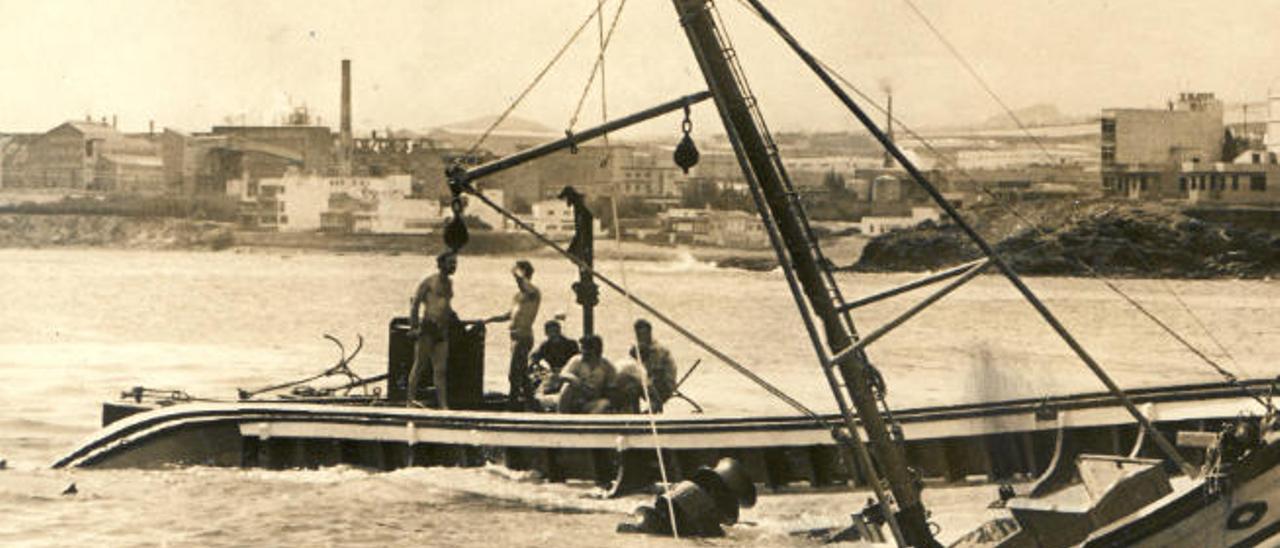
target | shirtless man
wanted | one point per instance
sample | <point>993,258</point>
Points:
<point>429,324</point>
<point>524,310</point>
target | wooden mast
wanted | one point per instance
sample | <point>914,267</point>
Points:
<point>757,155</point>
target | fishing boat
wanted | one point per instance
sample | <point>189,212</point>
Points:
<point>1096,469</point>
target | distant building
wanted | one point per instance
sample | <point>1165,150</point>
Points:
<point>735,229</point>
<point>554,218</point>
<point>86,156</point>
<point>485,213</point>
<point>1253,178</point>
<point>713,227</point>
<point>876,225</point>
<point>298,202</point>
<point>1141,149</point>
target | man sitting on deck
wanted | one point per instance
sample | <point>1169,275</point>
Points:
<point>555,352</point>
<point>658,365</point>
<point>430,330</point>
<point>588,380</point>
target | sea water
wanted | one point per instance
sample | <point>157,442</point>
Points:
<point>77,327</point>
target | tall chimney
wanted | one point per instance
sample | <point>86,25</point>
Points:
<point>113,121</point>
<point>888,159</point>
<point>345,128</point>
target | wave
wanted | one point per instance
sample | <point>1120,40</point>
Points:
<point>684,262</point>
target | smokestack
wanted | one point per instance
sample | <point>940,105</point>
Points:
<point>151,127</point>
<point>345,127</point>
<point>113,121</point>
<point>888,158</point>
<point>346,98</point>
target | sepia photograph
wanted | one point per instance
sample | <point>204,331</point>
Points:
<point>575,273</point>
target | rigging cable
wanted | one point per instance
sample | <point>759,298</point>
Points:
<point>978,77</point>
<point>657,314</point>
<point>536,79</point>
<point>1003,203</point>
<point>598,67</point>
<point>622,262</point>
<point>1053,160</point>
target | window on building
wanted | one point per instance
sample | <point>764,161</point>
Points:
<point>88,149</point>
<point>1108,156</point>
<point>1258,182</point>
<point>1182,184</point>
<point>1217,182</point>
<point>1235,182</point>
<point>1142,184</point>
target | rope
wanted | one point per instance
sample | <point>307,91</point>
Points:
<point>622,262</point>
<point>536,79</point>
<point>657,314</point>
<point>1004,204</point>
<point>599,63</point>
<point>982,82</point>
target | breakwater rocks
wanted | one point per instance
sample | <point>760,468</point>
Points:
<point>30,230</point>
<point>1116,240</point>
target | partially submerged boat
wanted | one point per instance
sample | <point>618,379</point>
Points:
<point>1105,470</point>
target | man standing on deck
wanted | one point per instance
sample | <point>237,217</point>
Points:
<point>658,365</point>
<point>524,310</point>
<point>430,330</point>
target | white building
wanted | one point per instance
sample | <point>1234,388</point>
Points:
<point>876,225</point>
<point>300,203</point>
<point>554,218</point>
<point>292,203</point>
<point>485,213</point>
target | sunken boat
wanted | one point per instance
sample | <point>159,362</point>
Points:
<point>1149,467</point>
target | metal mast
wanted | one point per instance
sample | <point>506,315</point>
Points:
<point>807,271</point>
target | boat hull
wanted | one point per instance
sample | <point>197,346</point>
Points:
<point>979,442</point>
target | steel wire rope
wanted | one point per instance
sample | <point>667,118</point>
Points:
<point>1022,127</point>
<point>978,77</point>
<point>534,83</point>
<point>668,321</point>
<point>955,52</point>
<point>1004,204</point>
<point>598,67</point>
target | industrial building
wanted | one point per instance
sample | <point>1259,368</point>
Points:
<point>86,156</point>
<point>1142,149</point>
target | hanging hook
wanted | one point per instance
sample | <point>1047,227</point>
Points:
<point>686,155</point>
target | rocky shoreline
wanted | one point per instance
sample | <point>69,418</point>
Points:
<point>1112,239</point>
<point>23,230</point>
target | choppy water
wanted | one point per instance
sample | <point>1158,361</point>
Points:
<point>79,326</point>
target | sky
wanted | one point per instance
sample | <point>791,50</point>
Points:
<point>425,63</point>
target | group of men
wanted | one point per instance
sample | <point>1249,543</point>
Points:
<point>574,380</point>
